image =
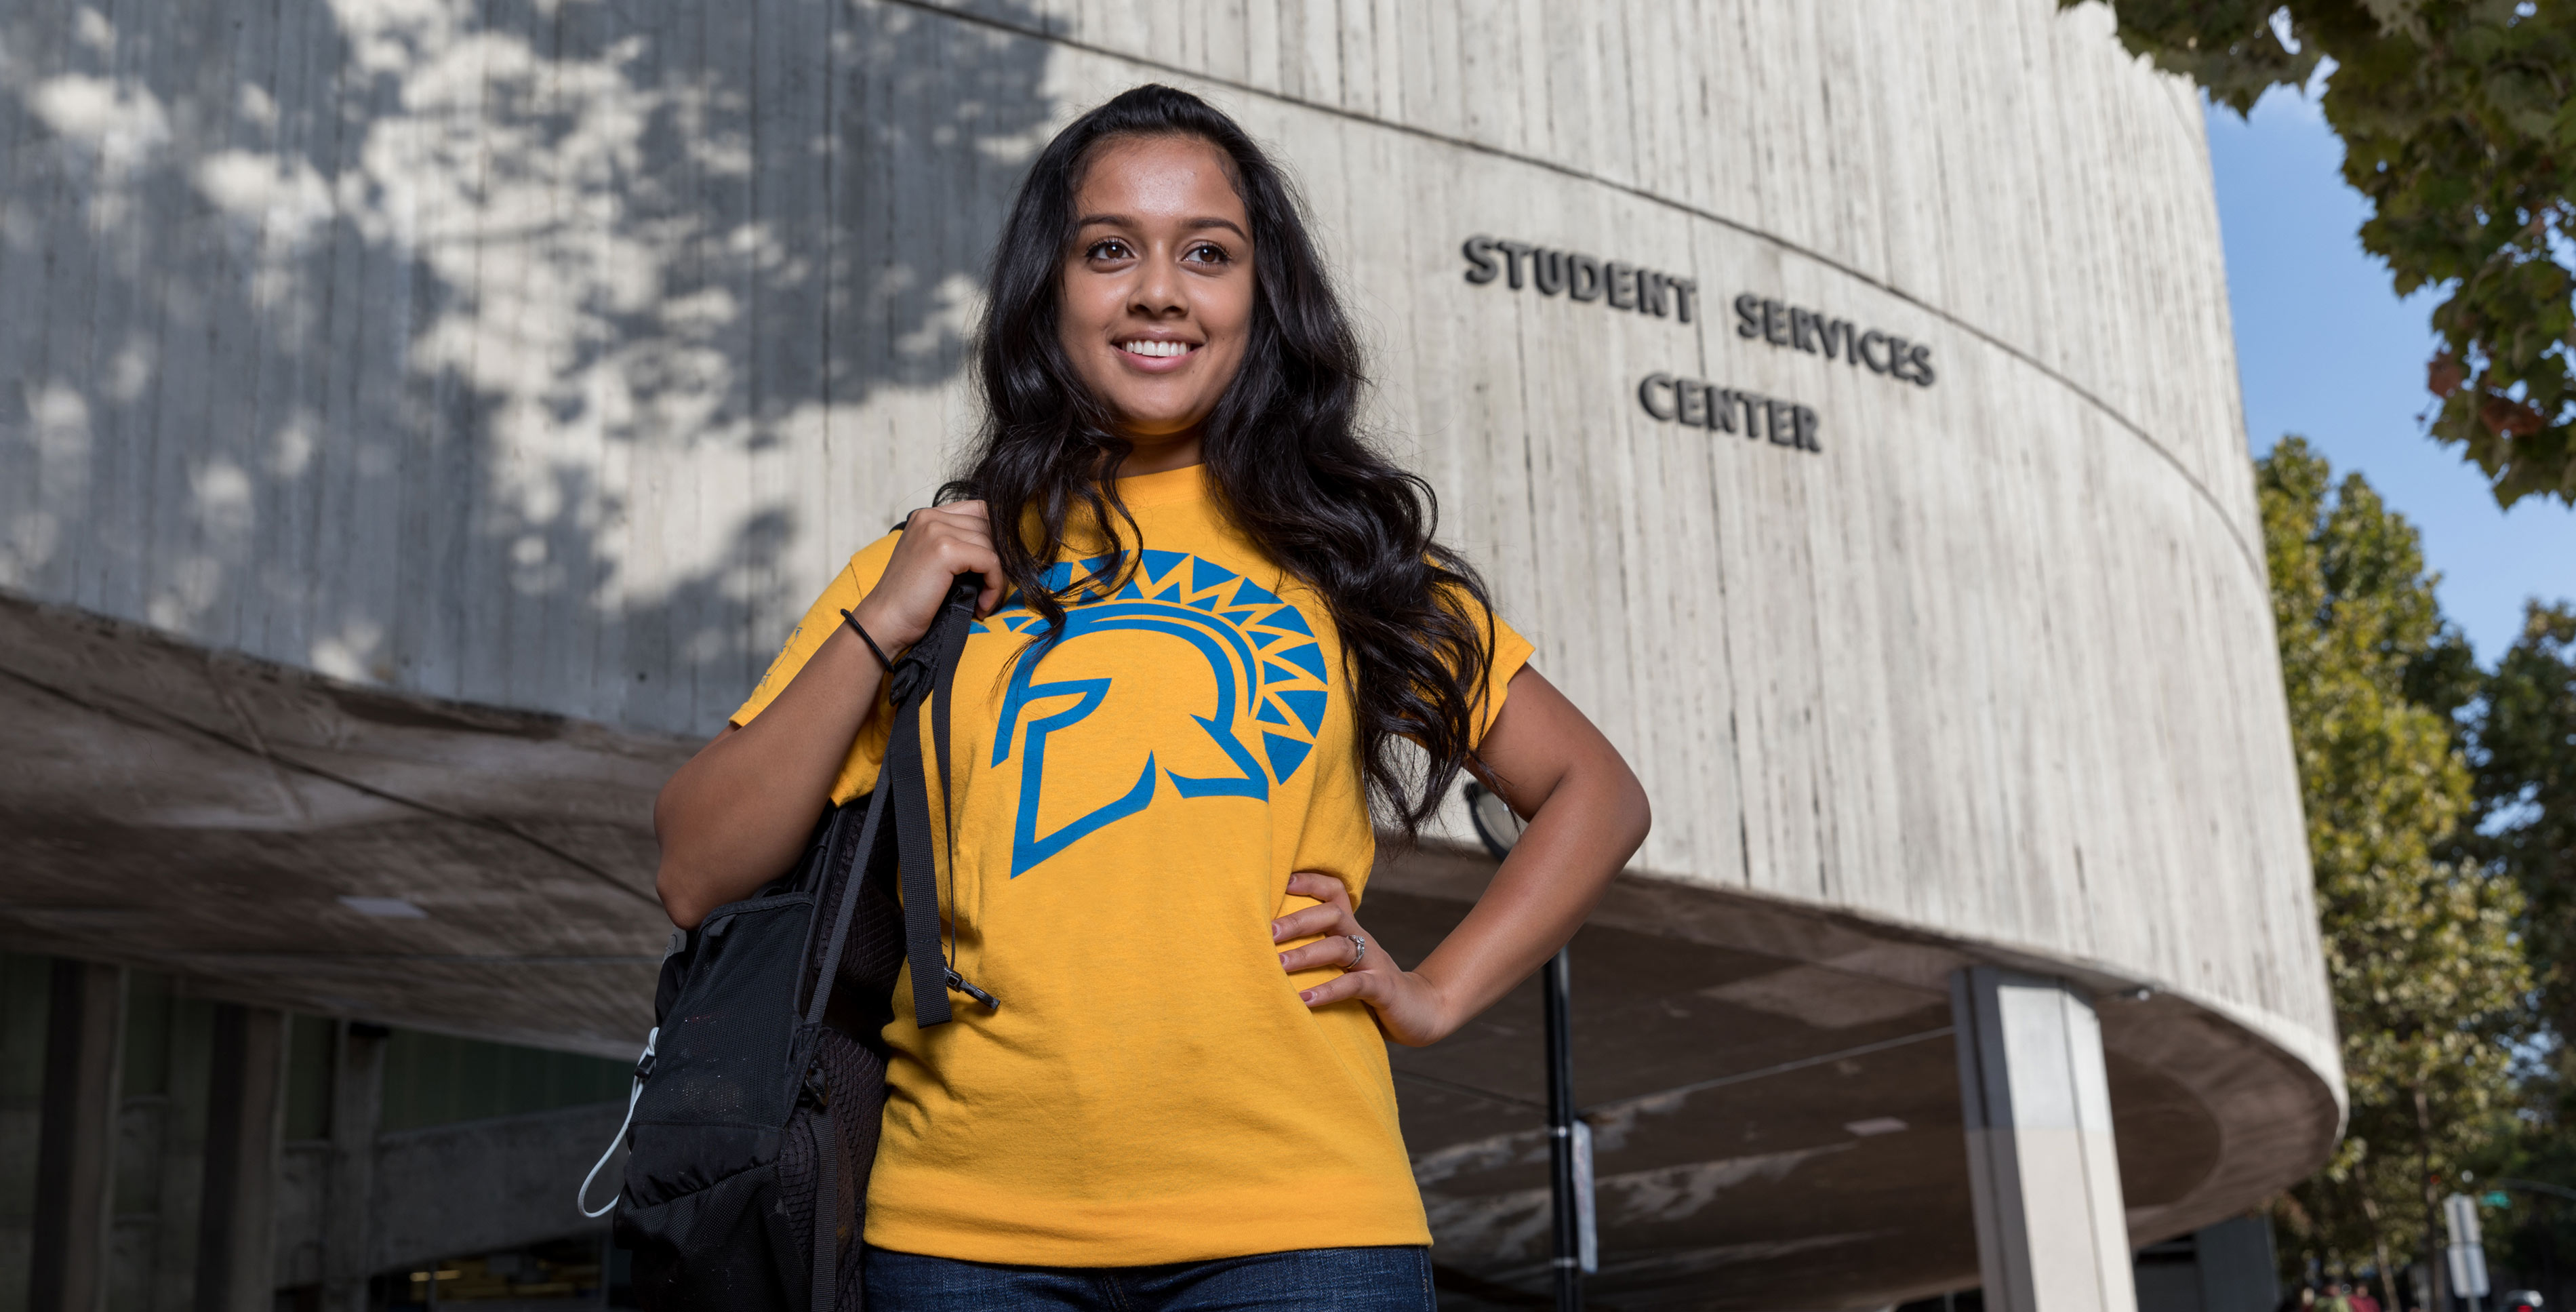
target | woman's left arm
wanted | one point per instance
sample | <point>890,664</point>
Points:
<point>1587,814</point>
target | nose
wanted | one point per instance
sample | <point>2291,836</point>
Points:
<point>1158,293</point>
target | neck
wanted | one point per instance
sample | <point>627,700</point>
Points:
<point>1156,455</point>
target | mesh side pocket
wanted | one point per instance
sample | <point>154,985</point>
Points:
<point>858,1103</point>
<point>863,1004</point>
<point>874,956</point>
<point>849,1049</point>
<point>856,1076</point>
<point>799,1171</point>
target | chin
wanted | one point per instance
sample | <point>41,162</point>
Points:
<point>1154,423</point>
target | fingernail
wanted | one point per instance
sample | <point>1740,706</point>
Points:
<point>1307,996</point>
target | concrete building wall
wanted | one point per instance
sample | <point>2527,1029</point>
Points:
<point>547,355</point>
<point>551,355</point>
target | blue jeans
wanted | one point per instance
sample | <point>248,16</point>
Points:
<point>1305,1280</point>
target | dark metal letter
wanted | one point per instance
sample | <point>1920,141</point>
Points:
<point>1837,335</point>
<point>1582,278</point>
<point>1922,357</point>
<point>1623,285</point>
<point>1775,425</point>
<point>1754,408</point>
<point>1748,315</point>
<point>1690,400</point>
<point>1512,253</point>
<point>1685,297</point>
<point>1547,271</point>
<point>1650,292</point>
<point>1480,260</point>
<point>1775,323</point>
<point>1867,340</point>
<point>1896,347</point>
<point>1646,395</point>
<point>1804,419</point>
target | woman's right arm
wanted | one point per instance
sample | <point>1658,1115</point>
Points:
<point>740,811</point>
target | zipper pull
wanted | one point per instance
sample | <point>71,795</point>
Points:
<point>960,984</point>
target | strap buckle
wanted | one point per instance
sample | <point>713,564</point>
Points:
<point>912,675</point>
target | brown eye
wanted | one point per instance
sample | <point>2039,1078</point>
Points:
<point>1208,253</point>
<point>1107,248</point>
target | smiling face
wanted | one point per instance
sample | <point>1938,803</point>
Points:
<point>1158,291</point>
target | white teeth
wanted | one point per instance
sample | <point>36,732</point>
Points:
<point>1158,350</point>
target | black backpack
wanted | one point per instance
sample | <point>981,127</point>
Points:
<point>754,1118</point>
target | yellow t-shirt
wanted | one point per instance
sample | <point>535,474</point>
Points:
<point>1128,813</point>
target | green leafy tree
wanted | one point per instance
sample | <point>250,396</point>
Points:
<point>2522,734</point>
<point>2524,753</point>
<point>2458,120</point>
<point>2429,980</point>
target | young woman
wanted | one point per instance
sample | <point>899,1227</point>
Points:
<point>1215,633</point>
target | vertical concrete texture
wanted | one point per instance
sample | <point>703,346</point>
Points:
<point>197,1173</point>
<point>153,1175</point>
<point>75,1162</point>
<point>349,1186</point>
<point>2052,1234</point>
<point>159,1146</point>
<point>24,991</point>
<point>237,1239</point>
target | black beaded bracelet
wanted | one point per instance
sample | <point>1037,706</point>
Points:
<point>873,648</point>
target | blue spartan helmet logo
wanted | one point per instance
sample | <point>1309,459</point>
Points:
<point>1259,648</point>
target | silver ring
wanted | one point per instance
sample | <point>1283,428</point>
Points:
<point>1359,951</point>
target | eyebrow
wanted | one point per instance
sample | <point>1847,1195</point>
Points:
<point>1193,225</point>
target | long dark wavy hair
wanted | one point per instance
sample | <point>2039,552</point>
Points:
<point>1285,456</point>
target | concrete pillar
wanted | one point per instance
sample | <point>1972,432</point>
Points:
<point>76,1160</point>
<point>182,1187</point>
<point>2052,1233</point>
<point>26,981</point>
<point>245,1111</point>
<point>147,1139</point>
<point>357,1107</point>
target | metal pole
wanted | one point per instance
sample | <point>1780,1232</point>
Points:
<point>1560,1128</point>
<point>1499,828</point>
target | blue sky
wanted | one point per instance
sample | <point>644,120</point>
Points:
<point>2327,350</point>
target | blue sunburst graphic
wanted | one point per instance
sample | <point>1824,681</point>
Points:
<point>1269,670</point>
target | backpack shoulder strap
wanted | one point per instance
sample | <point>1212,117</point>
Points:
<point>931,664</point>
<point>917,859</point>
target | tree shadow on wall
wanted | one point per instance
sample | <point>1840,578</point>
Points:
<point>491,349</point>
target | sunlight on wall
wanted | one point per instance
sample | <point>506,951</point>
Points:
<point>539,354</point>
